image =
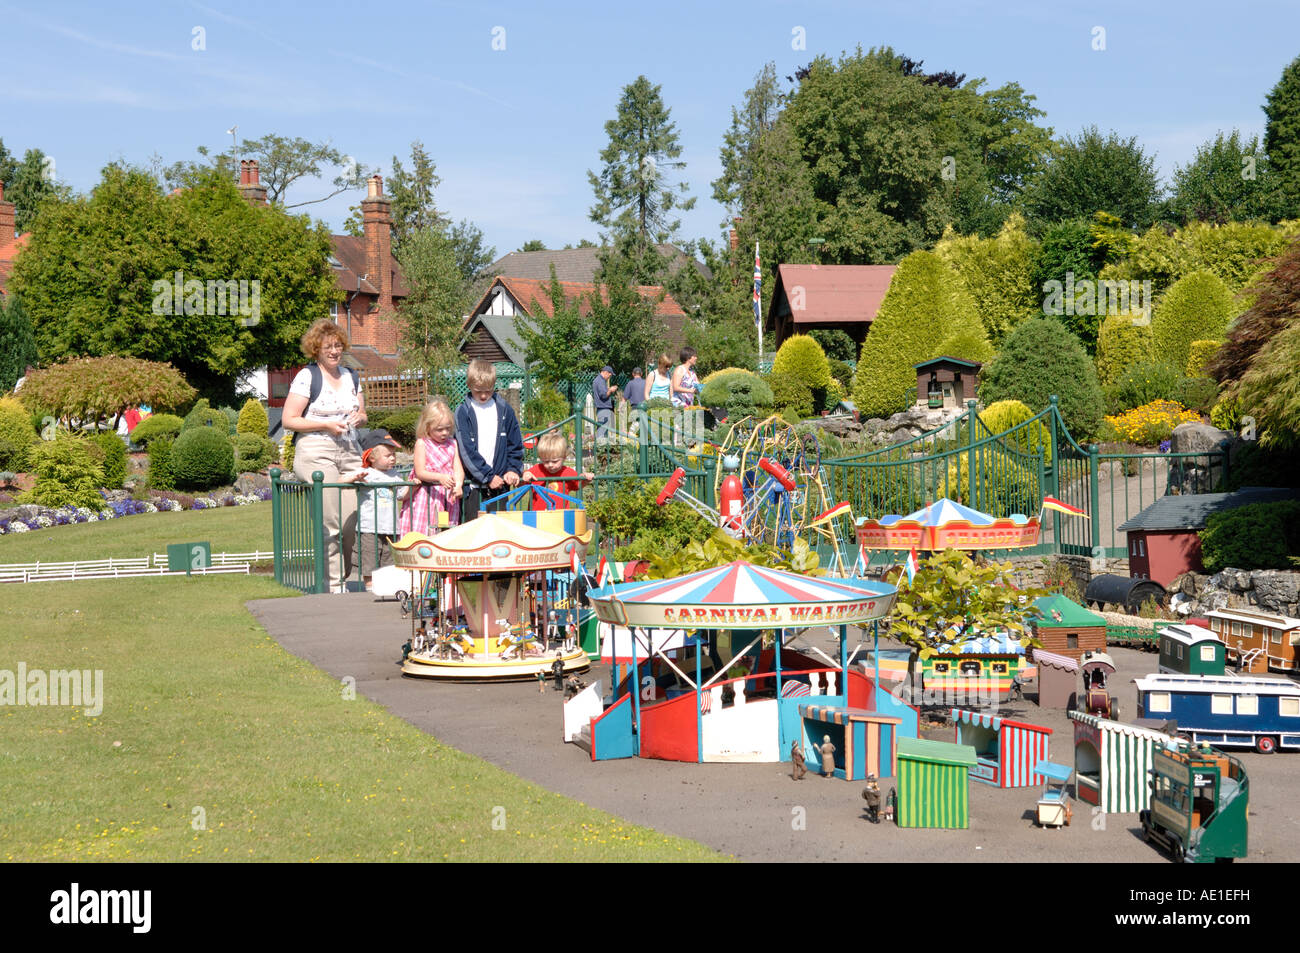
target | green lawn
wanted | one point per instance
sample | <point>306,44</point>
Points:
<point>205,718</point>
<point>230,529</point>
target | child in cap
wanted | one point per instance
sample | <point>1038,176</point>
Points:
<point>550,471</point>
<point>377,509</point>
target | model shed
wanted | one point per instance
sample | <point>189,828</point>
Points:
<point>1067,628</point>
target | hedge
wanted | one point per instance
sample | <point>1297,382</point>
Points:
<point>1258,536</point>
<point>155,426</point>
<point>253,419</point>
<point>16,435</point>
<point>1198,307</point>
<point>203,457</point>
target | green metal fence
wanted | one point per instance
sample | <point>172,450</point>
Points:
<point>1000,474</point>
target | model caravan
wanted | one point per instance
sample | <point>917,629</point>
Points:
<point>1263,713</point>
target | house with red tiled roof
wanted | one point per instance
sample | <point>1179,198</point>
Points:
<point>369,280</point>
<point>809,297</point>
<point>11,243</point>
<point>489,331</point>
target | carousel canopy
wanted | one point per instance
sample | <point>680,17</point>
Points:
<point>740,595</point>
<point>945,524</point>
<point>490,543</point>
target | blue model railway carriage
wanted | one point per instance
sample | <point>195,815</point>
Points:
<point>1263,713</point>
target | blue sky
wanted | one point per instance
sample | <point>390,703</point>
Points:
<point>515,130</point>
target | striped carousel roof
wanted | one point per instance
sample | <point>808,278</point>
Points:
<point>947,511</point>
<point>741,583</point>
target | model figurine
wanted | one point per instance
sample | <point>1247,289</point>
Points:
<point>828,756</point>
<point>798,767</point>
<point>871,794</point>
<point>557,670</point>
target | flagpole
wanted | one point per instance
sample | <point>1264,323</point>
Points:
<point>758,301</point>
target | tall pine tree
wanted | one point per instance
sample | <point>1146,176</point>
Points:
<point>635,199</point>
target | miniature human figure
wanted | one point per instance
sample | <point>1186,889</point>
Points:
<point>573,686</point>
<point>489,439</point>
<point>550,472</point>
<point>570,636</point>
<point>438,468</point>
<point>891,804</point>
<point>557,670</point>
<point>871,794</point>
<point>828,756</point>
<point>541,682</point>
<point>798,767</point>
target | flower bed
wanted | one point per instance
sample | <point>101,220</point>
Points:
<point>44,517</point>
<point>1151,423</point>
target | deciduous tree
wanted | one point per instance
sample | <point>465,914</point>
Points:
<point>1094,173</point>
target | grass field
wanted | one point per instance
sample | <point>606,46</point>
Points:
<point>214,743</point>
<point>230,529</point>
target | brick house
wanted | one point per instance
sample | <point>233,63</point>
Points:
<point>489,330</point>
<point>369,281</point>
<point>11,243</point>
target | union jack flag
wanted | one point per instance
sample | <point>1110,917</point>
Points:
<point>758,289</point>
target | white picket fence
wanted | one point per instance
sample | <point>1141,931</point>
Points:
<point>126,568</point>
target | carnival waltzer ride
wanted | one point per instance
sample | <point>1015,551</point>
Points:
<point>675,698</point>
<point>488,607</point>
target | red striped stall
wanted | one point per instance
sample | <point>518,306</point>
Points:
<point>1005,751</point>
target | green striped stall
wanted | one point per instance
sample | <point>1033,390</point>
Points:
<point>933,783</point>
<point>1112,761</point>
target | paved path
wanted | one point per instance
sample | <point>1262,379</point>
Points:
<point>750,811</point>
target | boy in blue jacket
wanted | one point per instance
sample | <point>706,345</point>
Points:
<point>489,439</point>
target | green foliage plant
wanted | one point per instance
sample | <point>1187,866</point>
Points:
<point>253,419</point>
<point>1198,356</point>
<point>926,313</point>
<point>953,598</point>
<point>1039,359</point>
<point>791,395</point>
<point>160,464</point>
<point>1121,343</point>
<point>67,473</point>
<point>16,435</point>
<point>114,462</point>
<point>1143,383</point>
<point>1198,307</point>
<point>253,452</point>
<point>95,389</point>
<point>156,425</point>
<point>742,393</point>
<point>547,407</point>
<point>803,357</point>
<point>637,528</point>
<point>835,344</point>
<point>202,458</point>
<point>1258,536</point>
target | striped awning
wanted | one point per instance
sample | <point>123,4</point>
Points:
<point>741,595</point>
<point>1118,727</point>
<point>1001,644</point>
<point>835,715</point>
<point>1064,662</point>
<point>980,719</point>
<point>946,524</point>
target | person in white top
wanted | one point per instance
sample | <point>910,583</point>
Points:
<point>327,439</point>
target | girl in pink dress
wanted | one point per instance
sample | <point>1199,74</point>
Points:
<point>438,468</point>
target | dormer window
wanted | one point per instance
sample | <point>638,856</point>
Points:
<point>334,262</point>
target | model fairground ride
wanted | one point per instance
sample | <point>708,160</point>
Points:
<point>487,610</point>
<point>1097,669</point>
<point>676,699</point>
<point>769,487</point>
<point>946,524</point>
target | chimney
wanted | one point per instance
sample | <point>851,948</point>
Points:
<point>8,226</point>
<point>377,226</point>
<point>733,237</point>
<point>250,184</point>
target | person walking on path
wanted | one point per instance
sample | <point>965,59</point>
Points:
<point>634,393</point>
<point>685,383</point>
<point>602,399</point>
<point>324,408</point>
<point>659,384</point>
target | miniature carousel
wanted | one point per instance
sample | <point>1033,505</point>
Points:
<point>488,609</point>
